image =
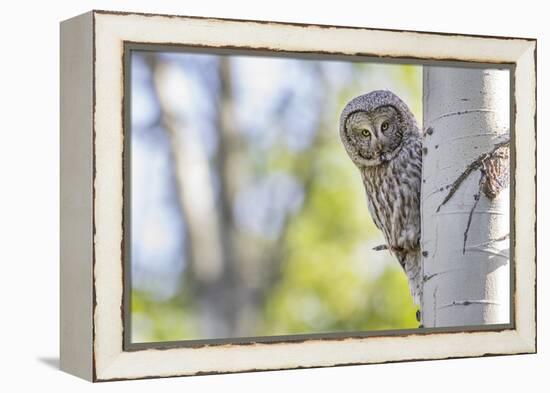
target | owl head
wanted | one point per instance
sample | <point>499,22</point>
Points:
<point>374,126</point>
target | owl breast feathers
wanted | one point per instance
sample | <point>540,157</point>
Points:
<point>381,136</point>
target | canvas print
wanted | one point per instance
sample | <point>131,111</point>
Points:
<point>277,196</point>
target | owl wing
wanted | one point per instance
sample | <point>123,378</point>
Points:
<point>373,210</point>
<point>374,214</point>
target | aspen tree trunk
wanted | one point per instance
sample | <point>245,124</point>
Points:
<point>465,197</point>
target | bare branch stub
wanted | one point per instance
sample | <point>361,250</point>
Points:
<point>495,164</point>
<point>495,176</point>
<point>380,247</point>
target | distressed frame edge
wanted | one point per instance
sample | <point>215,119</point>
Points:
<point>527,337</point>
<point>304,24</point>
<point>76,207</point>
<point>525,277</point>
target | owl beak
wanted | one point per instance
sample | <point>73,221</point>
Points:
<point>380,152</point>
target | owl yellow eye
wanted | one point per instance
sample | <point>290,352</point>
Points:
<point>365,133</point>
<point>385,126</point>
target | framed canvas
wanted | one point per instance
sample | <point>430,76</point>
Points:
<point>245,195</point>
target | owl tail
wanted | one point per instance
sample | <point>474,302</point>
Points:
<point>411,262</point>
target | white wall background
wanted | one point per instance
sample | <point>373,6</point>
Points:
<point>29,195</point>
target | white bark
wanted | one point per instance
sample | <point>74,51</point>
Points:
<point>466,282</point>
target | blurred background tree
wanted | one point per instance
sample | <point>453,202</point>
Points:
<point>248,219</point>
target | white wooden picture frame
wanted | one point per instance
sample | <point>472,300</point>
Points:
<point>92,189</point>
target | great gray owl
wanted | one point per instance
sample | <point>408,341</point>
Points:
<point>382,138</point>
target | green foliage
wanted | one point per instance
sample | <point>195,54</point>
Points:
<point>160,320</point>
<point>410,77</point>
<point>326,285</point>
